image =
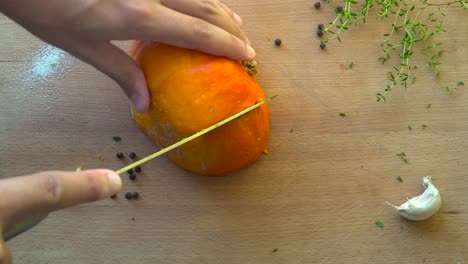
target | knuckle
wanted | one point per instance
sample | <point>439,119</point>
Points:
<point>201,29</point>
<point>96,187</point>
<point>52,188</point>
<point>210,7</point>
<point>136,12</point>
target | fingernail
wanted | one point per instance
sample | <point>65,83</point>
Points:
<point>250,52</point>
<point>139,103</point>
<point>115,182</point>
<point>238,19</point>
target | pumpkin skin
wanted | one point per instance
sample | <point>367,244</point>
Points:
<point>191,91</point>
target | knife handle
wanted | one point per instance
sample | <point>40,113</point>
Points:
<point>23,226</point>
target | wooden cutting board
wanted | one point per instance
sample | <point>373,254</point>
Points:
<point>314,199</point>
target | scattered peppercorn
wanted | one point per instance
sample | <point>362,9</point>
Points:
<point>323,45</point>
<point>319,33</point>
<point>114,196</point>
<point>339,9</point>
<point>317,5</point>
<point>130,171</point>
<point>137,169</point>
<point>132,177</point>
<point>132,155</point>
<point>120,155</point>
<point>135,195</point>
<point>128,196</point>
<point>320,26</point>
<point>278,42</point>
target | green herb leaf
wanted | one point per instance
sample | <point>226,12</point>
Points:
<point>410,128</point>
<point>379,224</point>
<point>424,126</point>
<point>399,179</point>
<point>429,105</point>
<point>351,65</point>
<point>403,156</point>
<point>342,114</point>
<point>460,83</point>
<point>116,138</point>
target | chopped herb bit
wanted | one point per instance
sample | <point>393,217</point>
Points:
<point>128,196</point>
<point>274,250</point>
<point>379,224</point>
<point>403,156</point>
<point>410,128</point>
<point>119,155</point>
<point>292,130</point>
<point>114,196</point>
<point>132,155</point>
<point>351,65</point>
<point>116,138</point>
<point>424,125</point>
<point>399,179</point>
<point>79,168</point>
<point>317,5</point>
<point>342,114</point>
<point>99,157</point>
<point>53,65</point>
<point>429,105</point>
<point>460,83</point>
<point>278,42</point>
<point>137,169</point>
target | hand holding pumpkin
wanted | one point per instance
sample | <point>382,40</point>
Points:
<point>85,29</point>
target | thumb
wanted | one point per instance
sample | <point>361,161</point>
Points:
<point>27,196</point>
<point>115,63</point>
<point>5,255</point>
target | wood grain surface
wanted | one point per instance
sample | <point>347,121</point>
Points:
<point>315,198</point>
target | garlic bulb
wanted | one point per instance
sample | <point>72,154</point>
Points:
<point>423,206</point>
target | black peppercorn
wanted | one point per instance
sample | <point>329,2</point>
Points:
<point>137,169</point>
<point>323,45</point>
<point>339,9</point>
<point>114,196</point>
<point>130,171</point>
<point>317,5</point>
<point>128,196</point>
<point>320,33</point>
<point>135,195</point>
<point>120,155</point>
<point>132,177</point>
<point>320,26</point>
<point>278,42</point>
<point>132,155</point>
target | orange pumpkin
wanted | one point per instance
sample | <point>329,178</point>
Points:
<point>190,91</point>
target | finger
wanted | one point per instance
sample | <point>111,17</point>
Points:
<point>115,63</point>
<point>174,28</point>
<point>232,14</point>
<point>27,196</point>
<point>5,255</point>
<point>209,10</point>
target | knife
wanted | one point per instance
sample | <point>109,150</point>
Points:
<point>27,224</point>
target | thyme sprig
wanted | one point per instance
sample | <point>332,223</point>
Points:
<point>409,18</point>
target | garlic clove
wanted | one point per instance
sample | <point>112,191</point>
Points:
<point>423,206</point>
